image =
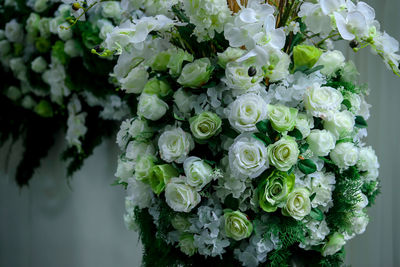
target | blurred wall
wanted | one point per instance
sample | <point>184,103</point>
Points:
<point>55,223</point>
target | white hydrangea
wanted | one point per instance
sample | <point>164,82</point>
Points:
<point>316,233</point>
<point>209,16</point>
<point>322,184</point>
<point>139,193</point>
<point>125,169</point>
<point>345,155</point>
<point>368,159</point>
<point>137,148</point>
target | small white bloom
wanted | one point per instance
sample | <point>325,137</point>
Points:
<point>135,81</point>
<point>322,101</point>
<point>368,159</point>
<point>39,64</point>
<point>332,61</point>
<point>139,193</point>
<point>198,172</point>
<point>14,31</point>
<point>125,169</point>
<point>136,149</point>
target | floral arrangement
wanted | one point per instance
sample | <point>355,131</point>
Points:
<point>51,80</point>
<point>247,145</point>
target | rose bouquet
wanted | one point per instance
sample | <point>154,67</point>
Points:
<point>52,81</point>
<point>247,145</point>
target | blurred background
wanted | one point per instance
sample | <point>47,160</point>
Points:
<point>78,222</point>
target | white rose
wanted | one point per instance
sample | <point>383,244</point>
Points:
<point>344,155</point>
<point>139,129</point>
<point>230,54</point>
<point>237,76</point>
<point>367,159</point>
<point>151,107</point>
<point>64,31</point>
<point>335,243</point>
<point>248,156</point>
<point>304,124</point>
<point>111,9</point>
<point>125,169</point>
<point>246,111</point>
<point>73,48</point>
<point>135,81</point>
<point>321,101</point>
<point>332,61</point>
<point>184,100</point>
<point>180,196</point>
<point>175,145</point>
<point>321,142</point>
<point>198,172</point>
<point>280,68</point>
<point>340,124</point>
<point>40,5</point>
<point>371,175</point>
<point>283,154</point>
<point>298,204</point>
<point>14,31</point>
<point>39,65</point>
<point>105,29</point>
<point>137,148</point>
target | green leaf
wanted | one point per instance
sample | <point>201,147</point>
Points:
<point>307,166</point>
<point>360,122</point>
<point>262,126</point>
<point>317,68</point>
<point>313,196</point>
<point>316,214</point>
<point>296,134</point>
<point>304,147</point>
<point>263,138</point>
<point>210,84</point>
<point>210,162</point>
<point>347,103</point>
<point>327,160</point>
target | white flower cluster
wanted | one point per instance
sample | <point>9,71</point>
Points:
<point>238,137</point>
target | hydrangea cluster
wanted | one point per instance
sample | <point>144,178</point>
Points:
<point>49,73</point>
<point>247,145</point>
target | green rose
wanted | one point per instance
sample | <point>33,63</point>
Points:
<point>186,244</point>
<point>230,54</point>
<point>273,191</point>
<point>160,61</point>
<point>205,125</point>
<point>160,176</point>
<point>175,62</point>
<point>284,153</point>
<point>298,204</point>
<point>237,226</point>
<point>157,87</point>
<point>282,118</point>
<point>44,109</point>
<point>305,55</point>
<point>196,74</point>
<point>180,223</point>
<point>335,243</point>
<point>144,167</point>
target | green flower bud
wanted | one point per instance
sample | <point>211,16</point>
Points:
<point>180,223</point>
<point>274,190</point>
<point>161,174</point>
<point>282,118</point>
<point>230,54</point>
<point>196,74</point>
<point>186,244</point>
<point>175,62</point>
<point>237,225</point>
<point>44,109</point>
<point>335,243</point>
<point>284,153</point>
<point>205,125</point>
<point>144,167</point>
<point>158,87</point>
<point>298,204</point>
<point>160,61</point>
<point>306,55</point>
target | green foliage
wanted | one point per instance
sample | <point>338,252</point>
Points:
<point>371,189</point>
<point>307,166</point>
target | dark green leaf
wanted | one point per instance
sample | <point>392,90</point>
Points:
<point>347,103</point>
<point>307,166</point>
<point>296,134</point>
<point>316,214</point>
<point>360,122</point>
<point>327,160</point>
<point>317,68</point>
<point>210,162</point>
<point>304,147</point>
<point>313,196</point>
<point>209,85</point>
<point>262,126</point>
<point>263,138</point>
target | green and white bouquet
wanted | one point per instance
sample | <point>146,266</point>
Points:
<point>51,80</point>
<point>247,145</point>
